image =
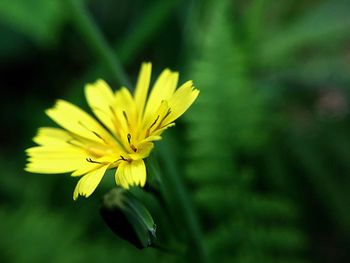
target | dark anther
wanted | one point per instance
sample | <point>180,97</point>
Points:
<point>71,142</point>
<point>133,148</point>
<point>75,143</point>
<point>167,114</point>
<point>82,124</point>
<point>92,161</point>
<point>95,133</point>
<point>99,136</point>
<point>121,157</point>
<point>112,110</point>
<point>131,145</point>
<point>125,115</point>
<point>154,122</point>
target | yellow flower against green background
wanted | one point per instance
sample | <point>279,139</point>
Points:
<point>121,138</point>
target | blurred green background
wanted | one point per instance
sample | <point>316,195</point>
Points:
<point>262,159</point>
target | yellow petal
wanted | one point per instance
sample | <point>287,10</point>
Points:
<point>181,101</point>
<point>119,176</point>
<point>131,173</point>
<point>160,131</point>
<point>94,163</point>
<point>54,159</point>
<point>153,120</point>
<point>126,109</point>
<point>101,99</point>
<point>55,137</point>
<point>151,138</point>
<point>85,168</point>
<point>46,167</point>
<point>53,166</point>
<point>142,86</point>
<point>79,122</point>
<point>88,183</point>
<point>163,89</point>
<point>47,151</point>
<point>52,136</point>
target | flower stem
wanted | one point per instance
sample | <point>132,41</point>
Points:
<point>173,185</point>
<point>94,38</point>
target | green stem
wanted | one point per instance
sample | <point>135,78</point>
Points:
<point>153,18</point>
<point>174,185</point>
<point>94,38</point>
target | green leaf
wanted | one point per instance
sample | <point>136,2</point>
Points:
<point>153,19</point>
<point>324,24</point>
<point>40,20</point>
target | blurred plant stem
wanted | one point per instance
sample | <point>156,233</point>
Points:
<point>154,17</point>
<point>173,185</point>
<point>175,202</point>
<point>95,39</point>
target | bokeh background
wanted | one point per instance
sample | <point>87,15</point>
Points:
<point>262,158</point>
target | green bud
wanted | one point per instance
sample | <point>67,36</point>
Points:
<point>128,218</point>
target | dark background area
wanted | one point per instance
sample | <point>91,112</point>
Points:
<point>264,153</point>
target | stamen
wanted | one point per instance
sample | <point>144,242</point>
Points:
<point>99,109</point>
<point>154,122</point>
<point>92,161</point>
<point>71,142</point>
<point>115,120</point>
<point>161,125</point>
<point>123,159</point>
<point>167,114</point>
<point>131,145</point>
<point>95,133</point>
<point>125,116</point>
<point>82,124</point>
<point>112,110</point>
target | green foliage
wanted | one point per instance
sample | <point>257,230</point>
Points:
<point>145,27</point>
<point>322,26</point>
<point>240,229</point>
<point>235,106</point>
<point>258,171</point>
<point>40,20</point>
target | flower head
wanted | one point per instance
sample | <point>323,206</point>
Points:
<point>123,136</point>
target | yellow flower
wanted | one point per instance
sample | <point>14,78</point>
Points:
<point>128,124</point>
